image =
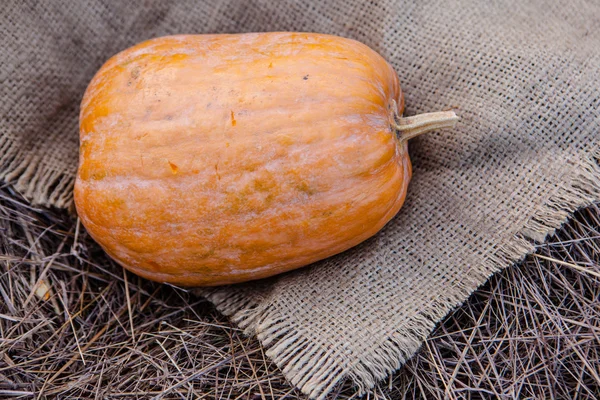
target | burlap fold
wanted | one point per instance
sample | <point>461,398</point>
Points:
<point>523,75</point>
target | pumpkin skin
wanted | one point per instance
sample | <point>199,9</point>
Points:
<point>215,159</point>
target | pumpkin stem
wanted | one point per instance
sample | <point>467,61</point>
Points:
<point>410,127</point>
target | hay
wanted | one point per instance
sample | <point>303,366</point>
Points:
<point>74,325</point>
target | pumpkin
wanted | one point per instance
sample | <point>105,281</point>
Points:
<point>215,159</point>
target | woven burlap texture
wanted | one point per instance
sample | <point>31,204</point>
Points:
<point>523,76</point>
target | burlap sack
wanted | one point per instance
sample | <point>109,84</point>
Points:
<point>524,76</point>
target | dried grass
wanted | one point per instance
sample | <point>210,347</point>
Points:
<point>74,325</point>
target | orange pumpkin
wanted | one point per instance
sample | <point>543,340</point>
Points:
<point>216,159</point>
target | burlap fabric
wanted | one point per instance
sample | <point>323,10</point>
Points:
<point>525,79</point>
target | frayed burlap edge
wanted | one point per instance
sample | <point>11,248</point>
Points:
<point>33,180</point>
<point>314,371</point>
